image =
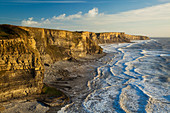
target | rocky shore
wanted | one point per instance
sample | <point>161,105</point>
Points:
<point>70,77</point>
<point>41,68</point>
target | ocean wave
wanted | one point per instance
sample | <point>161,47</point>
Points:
<point>130,82</point>
<point>135,79</point>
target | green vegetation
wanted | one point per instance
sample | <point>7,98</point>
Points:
<point>50,91</point>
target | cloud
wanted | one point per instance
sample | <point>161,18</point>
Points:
<point>49,1</point>
<point>160,12</point>
<point>60,17</point>
<point>145,21</point>
<point>42,18</point>
<point>70,17</point>
<point>93,12</point>
<point>78,15</point>
<point>30,22</point>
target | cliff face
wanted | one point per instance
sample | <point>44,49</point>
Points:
<point>109,37</point>
<point>24,51</point>
<point>54,45</point>
<point>112,37</point>
<point>136,37</point>
<point>21,70</point>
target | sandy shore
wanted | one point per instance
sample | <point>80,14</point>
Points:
<point>70,77</point>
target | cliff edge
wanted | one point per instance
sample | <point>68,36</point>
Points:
<point>25,50</point>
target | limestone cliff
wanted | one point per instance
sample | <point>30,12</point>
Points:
<point>54,45</point>
<point>24,51</point>
<point>21,70</point>
<point>112,37</point>
<point>136,37</point>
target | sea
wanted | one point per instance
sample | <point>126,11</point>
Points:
<point>135,79</point>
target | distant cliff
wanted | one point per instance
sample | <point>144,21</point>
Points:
<point>108,37</point>
<point>112,37</point>
<point>25,50</point>
<point>136,37</point>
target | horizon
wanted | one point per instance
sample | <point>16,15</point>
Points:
<point>136,17</point>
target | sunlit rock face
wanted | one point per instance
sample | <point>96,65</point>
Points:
<point>108,37</point>
<point>112,37</point>
<point>21,69</point>
<point>55,45</point>
<point>136,37</point>
<point>25,50</point>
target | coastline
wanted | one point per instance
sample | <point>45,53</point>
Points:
<point>82,89</point>
<point>74,85</point>
<point>70,77</point>
<point>70,74</point>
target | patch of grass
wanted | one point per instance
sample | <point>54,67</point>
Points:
<point>50,91</point>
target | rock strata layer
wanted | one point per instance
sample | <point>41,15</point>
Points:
<point>25,50</point>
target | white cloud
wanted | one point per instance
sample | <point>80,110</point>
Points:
<point>93,12</point>
<point>70,17</point>
<point>42,18</point>
<point>78,15</point>
<point>47,21</point>
<point>59,17</point>
<point>145,21</point>
<point>30,22</point>
<point>31,18</point>
<point>160,12</point>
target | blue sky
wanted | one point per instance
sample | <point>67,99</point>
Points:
<point>143,17</point>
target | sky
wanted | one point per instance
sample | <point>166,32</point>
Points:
<point>137,17</point>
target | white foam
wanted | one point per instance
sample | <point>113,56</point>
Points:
<point>129,68</point>
<point>129,81</point>
<point>165,55</point>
